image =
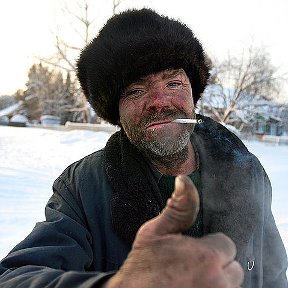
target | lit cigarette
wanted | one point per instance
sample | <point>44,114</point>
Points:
<point>187,120</point>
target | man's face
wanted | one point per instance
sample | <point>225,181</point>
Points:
<point>148,106</point>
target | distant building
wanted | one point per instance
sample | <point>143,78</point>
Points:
<point>254,115</point>
<point>268,126</point>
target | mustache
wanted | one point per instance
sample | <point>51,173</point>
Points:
<point>168,114</point>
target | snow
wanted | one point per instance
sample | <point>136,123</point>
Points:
<point>32,158</point>
<point>9,110</point>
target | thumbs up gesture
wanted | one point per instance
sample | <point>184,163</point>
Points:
<point>162,257</point>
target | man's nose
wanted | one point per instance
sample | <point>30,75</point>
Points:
<point>158,98</point>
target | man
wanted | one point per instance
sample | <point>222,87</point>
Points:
<point>104,226</point>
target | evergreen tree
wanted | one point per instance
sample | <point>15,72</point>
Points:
<point>51,94</point>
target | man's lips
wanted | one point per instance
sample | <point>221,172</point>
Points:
<point>158,124</point>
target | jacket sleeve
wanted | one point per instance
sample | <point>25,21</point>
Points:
<point>57,253</point>
<point>274,254</point>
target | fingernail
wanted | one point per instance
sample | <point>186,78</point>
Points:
<point>179,186</point>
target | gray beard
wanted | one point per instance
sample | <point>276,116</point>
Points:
<point>165,146</point>
<point>160,148</point>
<point>165,151</point>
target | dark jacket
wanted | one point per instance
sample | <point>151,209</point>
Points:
<point>99,203</point>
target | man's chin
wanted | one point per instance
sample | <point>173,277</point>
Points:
<point>163,133</point>
<point>163,144</point>
<point>163,148</point>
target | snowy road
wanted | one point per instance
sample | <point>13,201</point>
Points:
<point>31,158</point>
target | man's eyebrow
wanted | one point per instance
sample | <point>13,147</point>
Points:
<point>137,82</point>
<point>166,75</point>
<point>173,73</point>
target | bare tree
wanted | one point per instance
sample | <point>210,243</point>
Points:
<point>81,23</point>
<point>238,85</point>
<point>116,3</point>
<point>81,20</point>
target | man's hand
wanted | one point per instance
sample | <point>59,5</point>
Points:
<point>162,257</point>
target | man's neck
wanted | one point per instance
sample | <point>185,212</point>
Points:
<point>183,162</point>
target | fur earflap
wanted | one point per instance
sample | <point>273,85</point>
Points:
<point>133,44</point>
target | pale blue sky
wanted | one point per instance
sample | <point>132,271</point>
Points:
<point>222,25</point>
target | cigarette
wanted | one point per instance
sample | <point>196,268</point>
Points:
<point>187,120</point>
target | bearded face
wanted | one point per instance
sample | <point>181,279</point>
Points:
<point>148,106</point>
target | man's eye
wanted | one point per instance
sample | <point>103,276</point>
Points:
<point>134,93</point>
<point>174,84</point>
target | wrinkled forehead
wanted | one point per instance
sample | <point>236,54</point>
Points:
<point>163,75</point>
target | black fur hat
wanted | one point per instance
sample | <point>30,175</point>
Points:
<point>131,45</point>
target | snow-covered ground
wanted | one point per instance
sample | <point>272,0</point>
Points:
<point>31,158</point>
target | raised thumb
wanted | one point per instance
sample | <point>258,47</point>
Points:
<point>180,211</point>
